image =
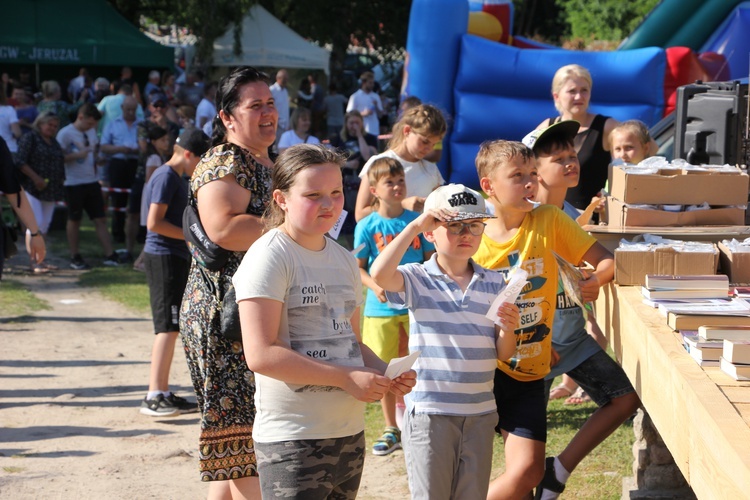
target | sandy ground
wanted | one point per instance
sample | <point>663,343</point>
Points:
<point>71,382</point>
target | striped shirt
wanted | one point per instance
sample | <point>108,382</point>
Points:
<point>456,369</point>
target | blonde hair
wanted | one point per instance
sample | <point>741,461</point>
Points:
<point>493,154</point>
<point>291,162</point>
<point>344,134</point>
<point>635,127</point>
<point>565,73</point>
<point>43,119</point>
<point>424,119</point>
<point>383,167</point>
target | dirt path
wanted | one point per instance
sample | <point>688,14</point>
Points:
<point>71,381</point>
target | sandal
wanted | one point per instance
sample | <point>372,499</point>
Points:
<point>580,397</point>
<point>389,442</point>
<point>560,391</point>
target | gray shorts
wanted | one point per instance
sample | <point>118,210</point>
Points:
<point>311,469</point>
<point>601,377</point>
<point>448,457</point>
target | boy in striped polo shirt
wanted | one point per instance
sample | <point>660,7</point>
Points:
<point>448,297</point>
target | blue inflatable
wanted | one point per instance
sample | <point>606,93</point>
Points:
<point>494,91</point>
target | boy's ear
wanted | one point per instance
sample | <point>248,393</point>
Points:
<point>486,186</point>
<point>429,236</point>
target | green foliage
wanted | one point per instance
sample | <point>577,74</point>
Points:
<point>611,20</point>
<point>207,19</point>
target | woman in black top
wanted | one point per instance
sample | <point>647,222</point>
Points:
<point>571,90</point>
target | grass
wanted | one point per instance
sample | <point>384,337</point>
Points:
<point>599,476</point>
<point>16,298</point>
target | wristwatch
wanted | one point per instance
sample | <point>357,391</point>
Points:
<point>28,232</point>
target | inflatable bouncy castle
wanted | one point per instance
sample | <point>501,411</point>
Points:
<point>462,57</point>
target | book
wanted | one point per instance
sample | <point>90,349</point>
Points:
<point>678,282</point>
<point>721,332</point>
<point>742,291</point>
<point>685,293</point>
<point>736,351</point>
<point>694,321</point>
<point>675,282</point>
<point>737,372</point>
<point>706,356</point>
<point>693,341</point>
<point>710,307</point>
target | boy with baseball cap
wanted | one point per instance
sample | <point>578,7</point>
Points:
<point>580,355</point>
<point>167,262</point>
<point>448,297</point>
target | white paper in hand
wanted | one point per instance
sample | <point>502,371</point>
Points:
<point>399,366</point>
<point>509,294</point>
<point>336,229</point>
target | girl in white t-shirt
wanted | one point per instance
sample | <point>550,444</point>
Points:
<point>414,137</point>
<point>299,295</point>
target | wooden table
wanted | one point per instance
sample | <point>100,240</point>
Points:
<point>702,415</point>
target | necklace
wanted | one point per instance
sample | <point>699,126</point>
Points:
<point>260,156</point>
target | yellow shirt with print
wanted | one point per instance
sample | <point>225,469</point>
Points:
<point>543,230</point>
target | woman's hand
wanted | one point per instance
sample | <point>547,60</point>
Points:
<point>39,183</point>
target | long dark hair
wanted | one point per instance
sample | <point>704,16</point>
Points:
<point>228,97</point>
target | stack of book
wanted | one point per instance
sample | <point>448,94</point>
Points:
<point>691,315</point>
<point>670,287</point>
<point>735,350</point>
<point>705,352</point>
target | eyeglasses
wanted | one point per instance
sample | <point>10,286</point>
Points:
<point>159,104</point>
<point>475,228</point>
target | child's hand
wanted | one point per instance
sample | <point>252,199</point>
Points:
<point>413,203</point>
<point>432,219</point>
<point>404,383</point>
<point>554,358</point>
<point>589,287</point>
<point>367,385</point>
<point>509,316</point>
<point>380,294</point>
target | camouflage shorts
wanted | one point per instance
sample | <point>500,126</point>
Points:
<point>311,469</point>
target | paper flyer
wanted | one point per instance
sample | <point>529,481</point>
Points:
<point>399,366</point>
<point>336,229</point>
<point>509,294</point>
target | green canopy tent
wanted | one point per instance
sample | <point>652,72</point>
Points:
<point>77,33</point>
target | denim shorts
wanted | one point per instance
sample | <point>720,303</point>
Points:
<point>601,377</point>
<point>521,407</point>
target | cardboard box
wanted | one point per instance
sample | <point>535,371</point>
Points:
<point>680,187</point>
<point>631,266</point>
<point>736,265</point>
<point>621,215</point>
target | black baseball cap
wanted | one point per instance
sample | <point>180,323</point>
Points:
<point>566,129</point>
<point>195,141</point>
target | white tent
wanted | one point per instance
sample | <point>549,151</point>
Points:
<point>267,42</point>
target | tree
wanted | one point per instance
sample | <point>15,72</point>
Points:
<point>207,19</point>
<point>610,20</point>
<point>377,24</point>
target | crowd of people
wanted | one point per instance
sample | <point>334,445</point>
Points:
<point>281,404</point>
